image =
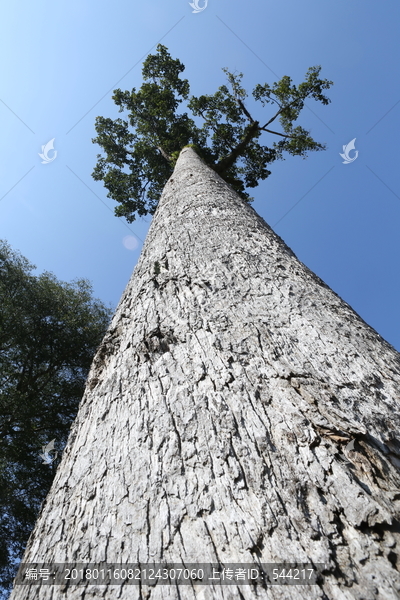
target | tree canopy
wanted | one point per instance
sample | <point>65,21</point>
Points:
<point>141,150</point>
<point>49,331</point>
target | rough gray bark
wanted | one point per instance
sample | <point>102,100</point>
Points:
<point>217,413</point>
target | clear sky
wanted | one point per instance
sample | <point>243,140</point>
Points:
<point>62,59</point>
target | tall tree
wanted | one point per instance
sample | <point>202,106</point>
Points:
<point>237,411</point>
<point>49,332</point>
<point>141,150</point>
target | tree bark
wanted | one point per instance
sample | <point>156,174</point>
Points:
<point>218,415</point>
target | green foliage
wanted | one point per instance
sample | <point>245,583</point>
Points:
<point>49,331</point>
<point>141,151</point>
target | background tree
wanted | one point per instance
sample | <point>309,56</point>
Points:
<point>49,331</point>
<point>141,151</point>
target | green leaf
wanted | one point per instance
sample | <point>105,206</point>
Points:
<point>142,149</point>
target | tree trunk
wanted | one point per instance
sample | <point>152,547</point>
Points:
<point>219,417</point>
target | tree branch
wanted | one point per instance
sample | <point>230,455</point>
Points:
<point>225,163</point>
<point>154,129</point>
<point>201,113</point>
<point>165,155</point>
<point>276,133</point>
<point>244,110</point>
<point>302,99</point>
<point>273,118</point>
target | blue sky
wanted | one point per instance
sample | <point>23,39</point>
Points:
<point>61,60</point>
